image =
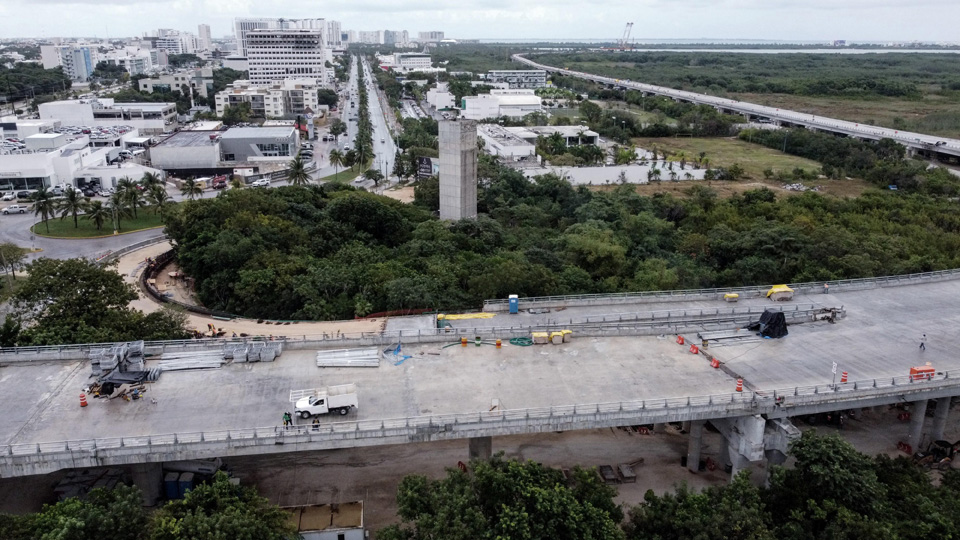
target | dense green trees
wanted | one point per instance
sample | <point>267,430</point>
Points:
<point>506,499</point>
<point>77,301</point>
<point>212,511</point>
<point>313,252</point>
<point>26,80</point>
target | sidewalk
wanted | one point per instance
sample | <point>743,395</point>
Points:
<point>132,264</point>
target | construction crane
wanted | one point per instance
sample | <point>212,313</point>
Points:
<point>624,42</point>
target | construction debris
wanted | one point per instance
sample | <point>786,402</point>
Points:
<point>366,357</point>
<point>180,361</point>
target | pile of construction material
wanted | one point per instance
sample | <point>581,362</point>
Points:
<point>254,351</point>
<point>184,360</point>
<point>121,363</point>
<point>367,357</point>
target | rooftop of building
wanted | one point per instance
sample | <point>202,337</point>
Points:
<point>186,139</point>
<point>506,136</point>
<point>277,132</point>
<point>566,131</point>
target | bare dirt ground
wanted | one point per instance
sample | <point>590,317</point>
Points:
<point>404,194</point>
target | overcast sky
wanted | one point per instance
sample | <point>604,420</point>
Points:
<point>863,20</point>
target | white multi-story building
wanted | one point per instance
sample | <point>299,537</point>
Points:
<point>135,64</point>
<point>174,42</point>
<point>396,37</point>
<point>241,26</point>
<point>275,55</point>
<point>204,37</point>
<point>77,62</point>
<point>511,103</point>
<point>200,80</point>
<point>407,62</point>
<point>334,35</point>
<point>287,98</point>
<point>432,36</point>
<point>371,37</point>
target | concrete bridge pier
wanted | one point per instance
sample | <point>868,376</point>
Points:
<point>694,445</point>
<point>480,447</point>
<point>149,478</point>
<point>940,418</point>
<point>918,413</point>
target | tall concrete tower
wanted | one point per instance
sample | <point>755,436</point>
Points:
<point>458,169</point>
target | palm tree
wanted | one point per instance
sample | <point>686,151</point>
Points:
<point>125,184</point>
<point>97,213</point>
<point>134,199</point>
<point>336,159</point>
<point>158,198</point>
<point>44,205</point>
<point>117,205</point>
<point>297,174</point>
<point>71,204</point>
<point>149,180</point>
<point>190,188</point>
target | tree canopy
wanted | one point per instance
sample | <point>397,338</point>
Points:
<point>506,499</point>
<point>77,301</point>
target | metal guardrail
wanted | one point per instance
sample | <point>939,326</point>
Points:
<point>162,237</point>
<point>686,294</point>
<point>642,323</point>
<point>464,425</point>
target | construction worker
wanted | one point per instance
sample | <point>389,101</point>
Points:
<point>287,419</point>
<point>316,424</point>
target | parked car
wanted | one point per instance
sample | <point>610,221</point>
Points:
<point>263,182</point>
<point>89,192</point>
<point>105,192</point>
<point>219,183</point>
<point>26,194</point>
<point>9,196</point>
<point>15,209</point>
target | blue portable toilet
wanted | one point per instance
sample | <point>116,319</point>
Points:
<point>514,304</point>
<point>186,483</point>
<point>171,485</point>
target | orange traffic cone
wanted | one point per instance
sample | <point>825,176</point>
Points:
<point>83,399</point>
<point>714,363</point>
<point>843,377</point>
<point>739,385</point>
<point>680,340</point>
<point>499,343</point>
<point>463,342</point>
<point>694,349</point>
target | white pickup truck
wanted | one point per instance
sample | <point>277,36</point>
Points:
<point>329,399</point>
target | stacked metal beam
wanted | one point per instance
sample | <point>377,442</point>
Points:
<point>236,351</point>
<point>366,357</point>
<point>178,361</point>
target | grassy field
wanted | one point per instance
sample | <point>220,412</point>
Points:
<point>345,176</point>
<point>933,114</point>
<point>723,152</point>
<point>837,188</point>
<point>64,227</point>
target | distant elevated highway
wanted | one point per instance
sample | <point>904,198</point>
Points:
<point>931,145</point>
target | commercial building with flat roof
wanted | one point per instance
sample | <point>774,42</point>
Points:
<point>519,78</point>
<point>199,80</point>
<point>510,103</point>
<point>148,118</point>
<point>188,150</point>
<point>501,142</point>
<point>260,144</point>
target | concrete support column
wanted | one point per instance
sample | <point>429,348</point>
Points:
<point>659,428</point>
<point>738,461</point>
<point>686,426</point>
<point>481,447</point>
<point>149,478</point>
<point>724,457</point>
<point>918,412</point>
<point>694,445</point>
<point>940,418</point>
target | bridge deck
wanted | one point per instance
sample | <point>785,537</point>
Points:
<point>879,338</point>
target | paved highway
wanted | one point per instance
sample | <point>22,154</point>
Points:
<point>445,392</point>
<point>913,140</point>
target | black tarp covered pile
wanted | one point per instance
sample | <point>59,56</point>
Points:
<point>772,324</point>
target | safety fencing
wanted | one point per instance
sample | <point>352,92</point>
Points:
<point>624,324</point>
<point>479,424</point>
<point>846,285</point>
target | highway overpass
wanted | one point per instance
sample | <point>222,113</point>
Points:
<point>623,367</point>
<point>931,145</point>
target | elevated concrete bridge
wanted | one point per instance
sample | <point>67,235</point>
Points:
<point>623,368</point>
<point>931,145</point>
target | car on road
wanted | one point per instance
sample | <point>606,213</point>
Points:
<point>220,182</point>
<point>263,182</point>
<point>382,139</point>
<point>15,209</point>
